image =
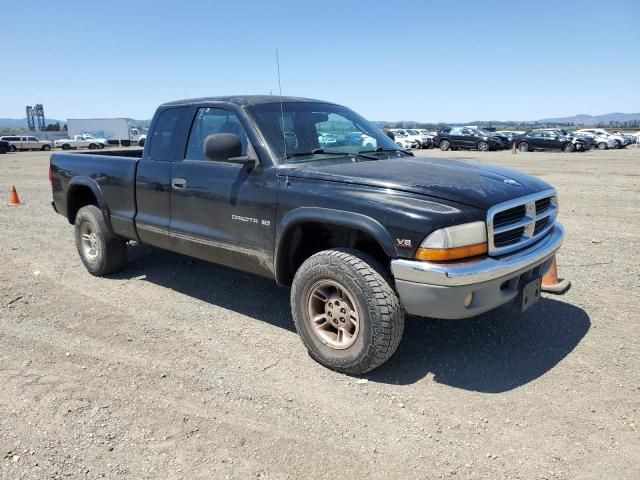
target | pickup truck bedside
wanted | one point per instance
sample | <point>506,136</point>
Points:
<point>439,290</point>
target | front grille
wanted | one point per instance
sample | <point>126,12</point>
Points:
<point>508,238</point>
<point>509,216</point>
<point>517,223</point>
<point>543,204</point>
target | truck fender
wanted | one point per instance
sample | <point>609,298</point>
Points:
<point>97,193</point>
<point>340,218</point>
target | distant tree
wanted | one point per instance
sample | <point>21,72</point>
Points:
<point>64,128</point>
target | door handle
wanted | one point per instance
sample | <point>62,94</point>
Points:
<point>178,183</point>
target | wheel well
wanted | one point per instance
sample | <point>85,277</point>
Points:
<point>79,197</point>
<point>306,239</point>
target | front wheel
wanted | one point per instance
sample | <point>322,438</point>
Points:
<point>523,147</point>
<point>66,146</point>
<point>141,142</point>
<point>569,147</point>
<point>346,311</point>
<point>92,146</point>
<point>444,145</point>
<point>483,146</point>
<point>13,148</point>
<point>100,251</point>
<point>602,146</point>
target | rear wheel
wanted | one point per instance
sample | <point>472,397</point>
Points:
<point>46,148</point>
<point>569,147</point>
<point>523,147</point>
<point>100,251</point>
<point>444,145</point>
<point>101,146</point>
<point>93,146</point>
<point>66,146</point>
<point>346,311</point>
<point>483,146</point>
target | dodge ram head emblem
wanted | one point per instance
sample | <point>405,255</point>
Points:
<point>403,242</point>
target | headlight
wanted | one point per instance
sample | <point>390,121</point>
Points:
<point>453,243</point>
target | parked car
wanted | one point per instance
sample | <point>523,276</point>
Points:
<point>620,141</point>
<point>80,141</point>
<point>424,140</point>
<point>26,142</point>
<point>415,138</point>
<point>362,236</point>
<point>466,138</point>
<point>547,140</point>
<point>402,140</point>
<point>4,146</point>
<point>589,141</point>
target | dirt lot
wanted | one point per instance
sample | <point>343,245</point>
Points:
<point>176,368</point>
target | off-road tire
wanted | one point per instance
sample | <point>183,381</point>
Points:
<point>381,316</point>
<point>112,250</point>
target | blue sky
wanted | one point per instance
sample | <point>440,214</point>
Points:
<point>419,60</point>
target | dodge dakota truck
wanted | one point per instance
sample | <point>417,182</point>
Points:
<point>363,235</point>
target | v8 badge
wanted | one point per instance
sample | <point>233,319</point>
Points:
<point>403,242</point>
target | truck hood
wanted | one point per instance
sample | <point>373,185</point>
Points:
<point>470,183</point>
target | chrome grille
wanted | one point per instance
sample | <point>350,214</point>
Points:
<point>517,223</point>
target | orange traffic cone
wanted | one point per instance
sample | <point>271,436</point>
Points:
<point>14,199</point>
<point>551,283</point>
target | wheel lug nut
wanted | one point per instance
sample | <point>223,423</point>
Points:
<point>343,310</point>
<point>342,319</point>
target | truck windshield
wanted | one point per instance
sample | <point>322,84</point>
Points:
<point>296,129</point>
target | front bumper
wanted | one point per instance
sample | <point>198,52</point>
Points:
<point>439,290</point>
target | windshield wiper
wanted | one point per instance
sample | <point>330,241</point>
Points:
<point>322,151</point>
<point>386,149</point>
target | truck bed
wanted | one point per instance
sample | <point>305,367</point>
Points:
<point>110,176</point>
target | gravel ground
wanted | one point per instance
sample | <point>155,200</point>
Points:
<point>175,368</point>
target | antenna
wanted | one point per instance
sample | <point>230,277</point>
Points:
<point>284,138</point>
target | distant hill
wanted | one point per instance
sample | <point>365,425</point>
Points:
<point>22,122</point>
<point>584,119</point>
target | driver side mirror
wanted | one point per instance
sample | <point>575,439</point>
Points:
<point>226,147</point>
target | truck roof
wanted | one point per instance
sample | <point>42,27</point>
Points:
<point>243,100</point>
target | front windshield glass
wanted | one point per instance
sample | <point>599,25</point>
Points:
<point>309,131</point>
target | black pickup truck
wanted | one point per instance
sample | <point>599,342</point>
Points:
<point>361,231</point>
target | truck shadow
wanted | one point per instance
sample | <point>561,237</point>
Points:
<point>491,353</point>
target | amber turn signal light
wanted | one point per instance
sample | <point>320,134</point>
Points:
<point>455,253</point>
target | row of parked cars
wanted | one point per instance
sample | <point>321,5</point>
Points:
<point>472,137</point>
<point>14,143</point>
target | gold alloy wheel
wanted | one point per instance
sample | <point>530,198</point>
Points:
<point>333,314</point>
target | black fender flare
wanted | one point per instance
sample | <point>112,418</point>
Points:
<point>341,218</point>
<point>92,185</point>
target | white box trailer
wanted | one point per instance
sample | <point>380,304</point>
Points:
<point>115,130</point>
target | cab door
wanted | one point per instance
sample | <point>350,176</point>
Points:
<point>153,176</point>
<point>221,211</point>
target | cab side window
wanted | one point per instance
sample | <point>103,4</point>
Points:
<point>209,121</point>
<point>165,133</point>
